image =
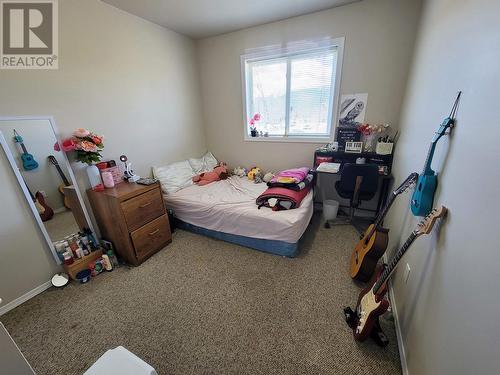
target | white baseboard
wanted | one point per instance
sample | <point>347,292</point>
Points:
<point>399,336</point>
<point>401,346</point>
<point>13,304</point>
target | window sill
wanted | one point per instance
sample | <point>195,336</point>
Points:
<point>320,140</point>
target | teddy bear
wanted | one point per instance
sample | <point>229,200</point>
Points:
<point>240,171</point>
<point>252,172</point>
<point>255,175</point>
<point>268,177</point>
<point>218,173</point>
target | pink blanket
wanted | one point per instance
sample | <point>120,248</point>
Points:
<point>293,176</point>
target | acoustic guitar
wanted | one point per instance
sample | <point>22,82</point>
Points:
<point>374,240</point>
<point>65,181</point>
<point>371,302</point>
<point>29,162</point>
<point>423,196</point>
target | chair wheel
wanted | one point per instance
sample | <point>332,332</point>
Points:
<point>327,225</point>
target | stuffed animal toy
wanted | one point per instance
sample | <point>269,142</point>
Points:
<point>253,172</point>
<point>255,175</point>
<point>219,173</point>
<point>268,177</point>
<point>240,171</point>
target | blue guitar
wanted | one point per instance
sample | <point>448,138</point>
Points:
<point>29,162</point>
<point>423,196</point>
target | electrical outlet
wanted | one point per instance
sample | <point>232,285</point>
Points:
<point>406,275</point>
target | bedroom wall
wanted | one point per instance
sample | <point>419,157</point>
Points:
<point>448,308</point>
<point>133,81</point>
<point>379,37</point>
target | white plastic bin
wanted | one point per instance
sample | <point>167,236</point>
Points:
<point>330,209</point>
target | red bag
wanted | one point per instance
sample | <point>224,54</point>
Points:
<point>286,199</point>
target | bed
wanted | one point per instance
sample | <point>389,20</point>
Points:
<point>226,210</point>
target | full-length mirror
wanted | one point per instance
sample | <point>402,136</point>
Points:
<point>45,176</point>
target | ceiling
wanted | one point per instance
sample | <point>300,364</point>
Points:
<point>204,18</point>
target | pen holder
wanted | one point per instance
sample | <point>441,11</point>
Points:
<point>384,148</point>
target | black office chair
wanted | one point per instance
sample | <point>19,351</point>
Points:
<point>358,182</point>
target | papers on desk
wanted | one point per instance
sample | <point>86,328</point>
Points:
<point>329,167</point>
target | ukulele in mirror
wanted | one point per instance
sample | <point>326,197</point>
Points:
<point>423,196</point>
<point>374,240</point>
<point>371,302</point>
<point>65,181</point>
<point>29,162</point>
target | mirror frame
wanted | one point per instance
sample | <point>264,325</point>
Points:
<point>19,177</point>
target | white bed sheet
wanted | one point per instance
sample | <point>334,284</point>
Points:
<point>229,206</point>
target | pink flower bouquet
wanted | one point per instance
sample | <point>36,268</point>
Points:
<point>86,144</point>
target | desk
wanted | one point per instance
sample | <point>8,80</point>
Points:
<point>383,161</point>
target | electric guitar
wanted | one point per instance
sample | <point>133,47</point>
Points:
<point>29,162</point>
<point>371,302</point>
<point>44,210</point>
<point>374,240</point>
<point>66,182</point>
<point>423,196</point>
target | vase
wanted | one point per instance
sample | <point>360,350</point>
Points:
<point>94,178</point>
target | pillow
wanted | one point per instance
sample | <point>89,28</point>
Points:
<point>173,177</point>
<point>204,164</point>
<point>197,165</point>
<point>210,161</point>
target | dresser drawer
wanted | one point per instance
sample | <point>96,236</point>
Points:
<point>142,209</point>
<point>152,236</point>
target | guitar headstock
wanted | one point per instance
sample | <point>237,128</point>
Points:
<point>426,225</point>
<point>445,125</point>
<point>17,137</point>
<point>448,122</point>
<point>52,159</point>
<point>408,183</point>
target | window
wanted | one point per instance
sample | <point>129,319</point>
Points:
<point>291,94</point>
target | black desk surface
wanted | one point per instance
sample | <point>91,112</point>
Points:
<point>350,157</point>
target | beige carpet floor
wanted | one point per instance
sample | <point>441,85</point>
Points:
<point>61,225</point>
<point>202,306</point>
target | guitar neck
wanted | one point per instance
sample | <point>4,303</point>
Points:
<point>25,151</point>
<point>384,212</point>
<point>394,262</point>
<point>63,176</point>
<point>428,160</point>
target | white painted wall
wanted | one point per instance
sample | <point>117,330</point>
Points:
<point>131,80</point>
<point>448,310</point>
<point>379,37</point>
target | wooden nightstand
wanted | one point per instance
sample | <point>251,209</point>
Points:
<point>134,218</point>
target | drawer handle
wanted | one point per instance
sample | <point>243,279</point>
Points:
<point>145,205</point>
<point>154,232</point>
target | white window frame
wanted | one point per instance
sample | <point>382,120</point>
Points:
<point>290,50</point>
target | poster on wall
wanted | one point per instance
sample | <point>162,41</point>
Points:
<point>352,109</point>
<point>351,115</point>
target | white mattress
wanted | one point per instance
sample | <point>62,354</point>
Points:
<point>228,206</point>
